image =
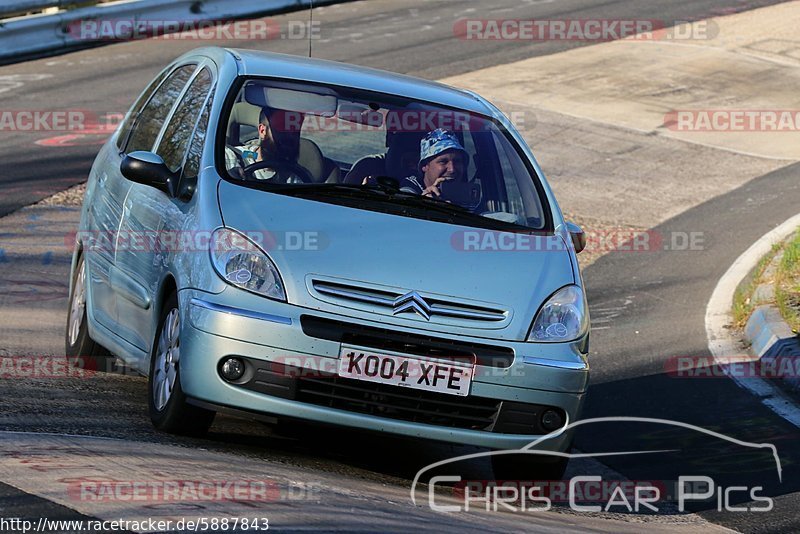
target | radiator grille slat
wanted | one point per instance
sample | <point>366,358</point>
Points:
<point>329,390</point>
<point>398,403</point>
<point>387,301</point>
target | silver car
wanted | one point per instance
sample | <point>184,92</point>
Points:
<point>285,237</point>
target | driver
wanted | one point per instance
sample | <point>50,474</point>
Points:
<point>441,158</point>
<point>278,139</point>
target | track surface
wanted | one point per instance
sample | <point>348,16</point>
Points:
<point>411,37</point>
<point>653,304</point>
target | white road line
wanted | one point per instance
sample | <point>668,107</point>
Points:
<point>9,82</point>
<point>718,314</point>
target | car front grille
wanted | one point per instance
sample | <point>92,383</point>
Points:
<point>319,388</point>
<point>381,400</point>
<point>386,301</point>
<point>393,340</point>
<point>406,404</point>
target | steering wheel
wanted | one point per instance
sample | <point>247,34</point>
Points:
<point>283,168</point>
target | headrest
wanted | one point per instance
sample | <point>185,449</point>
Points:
<point>310,157</point>
<point>242,113</point>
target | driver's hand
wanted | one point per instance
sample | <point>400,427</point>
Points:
<point>433,190</point>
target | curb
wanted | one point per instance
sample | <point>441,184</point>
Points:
<point>771,338</point>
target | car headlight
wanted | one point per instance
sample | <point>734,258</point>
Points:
<point>564,317</point>
<point>242,263</point>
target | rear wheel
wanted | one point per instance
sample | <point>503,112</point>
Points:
<point>169,409</point>
<point>79,347</point>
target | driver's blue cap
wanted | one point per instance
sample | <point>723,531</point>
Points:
<point>435,143</point>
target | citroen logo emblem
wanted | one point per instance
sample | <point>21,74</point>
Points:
<point>411,301</point>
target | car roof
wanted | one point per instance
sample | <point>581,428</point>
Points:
<point>259,63</point>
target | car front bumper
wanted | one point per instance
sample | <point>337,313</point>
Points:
<point>549,375</point>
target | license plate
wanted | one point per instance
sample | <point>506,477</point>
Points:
<point>414,372</point>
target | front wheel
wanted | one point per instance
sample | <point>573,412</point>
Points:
<point>169,409</point>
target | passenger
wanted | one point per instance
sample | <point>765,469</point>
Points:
<point>441,158</point>
<point>399,160</point>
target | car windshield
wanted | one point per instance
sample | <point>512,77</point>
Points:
<point>380,152</point>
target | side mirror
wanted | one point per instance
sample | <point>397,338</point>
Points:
<point>149,169</point>
<point>578,237</point>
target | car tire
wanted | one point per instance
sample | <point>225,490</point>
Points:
<point>81,349</point>
<point>528,467</point>
<point>169,408</point>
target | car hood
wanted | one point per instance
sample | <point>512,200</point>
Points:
<point>324,251</point>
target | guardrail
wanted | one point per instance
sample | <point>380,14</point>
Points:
<point>20,7</point>
<point>39,33</point>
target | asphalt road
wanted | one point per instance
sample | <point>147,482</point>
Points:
<point>411,37</point>
<point>653,303</point>
<point>659,303</point>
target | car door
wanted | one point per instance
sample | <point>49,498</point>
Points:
<point>105,213</point>
<point>155,220</point>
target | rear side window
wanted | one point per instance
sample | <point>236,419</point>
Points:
<point>176,137</point>
<point>137,108</point>
<point>150,120</point>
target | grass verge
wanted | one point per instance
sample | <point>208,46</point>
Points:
<point>743,304</point>
<point>787,283</point>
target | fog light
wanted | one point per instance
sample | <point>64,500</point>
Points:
<point>552,420</point>
<point>232,369</point>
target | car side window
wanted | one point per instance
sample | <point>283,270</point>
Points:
<point>469,146</point>
<point>176,137</point>
<point>191,168</point>
<point>137,108</point>
<point>149,122</point>
<point>509,190</point>
<point>523,203</point>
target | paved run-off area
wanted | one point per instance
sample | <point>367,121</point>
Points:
<point>593,119</point>
<point>599,117</point>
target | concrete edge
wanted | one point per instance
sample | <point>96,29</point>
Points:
<point>771,338</point>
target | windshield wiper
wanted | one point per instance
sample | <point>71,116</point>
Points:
<point>401,199</point>
<point>371,191</point>
<point>432,202</point>
<point>343,190</point>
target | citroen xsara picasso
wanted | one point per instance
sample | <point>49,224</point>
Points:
<point>312,240</point>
